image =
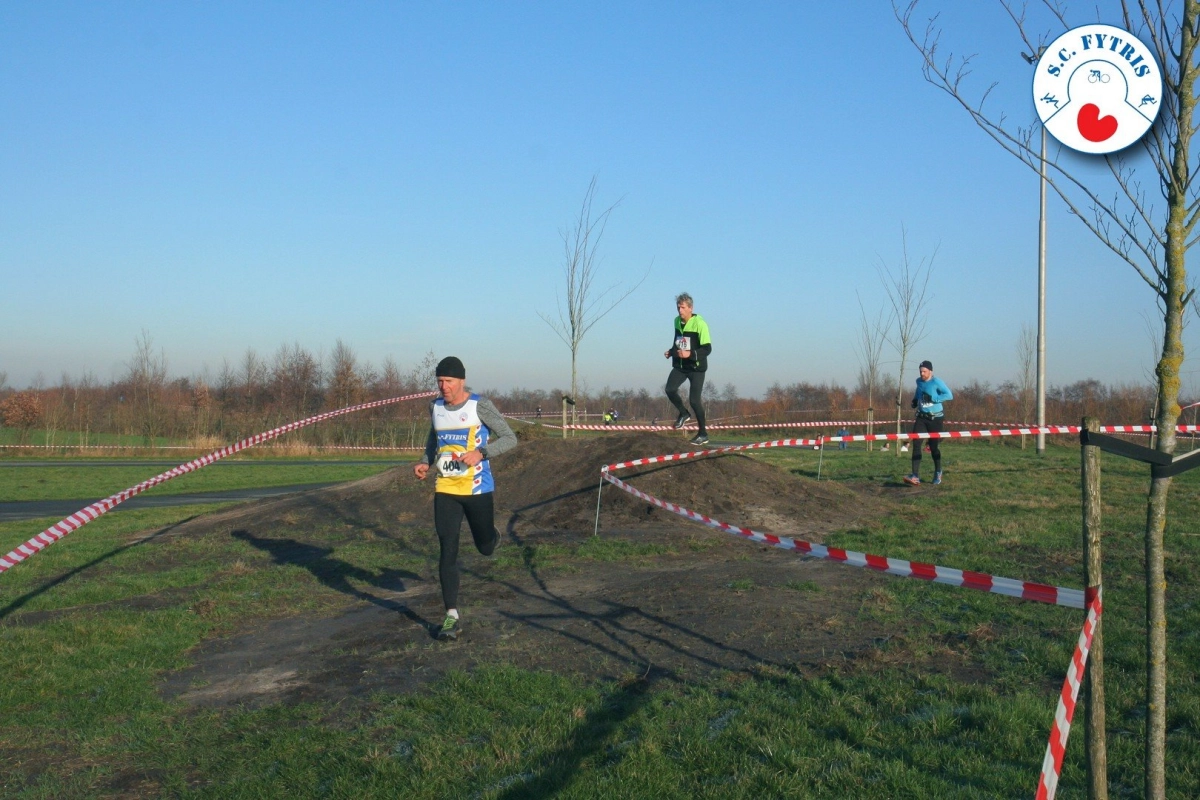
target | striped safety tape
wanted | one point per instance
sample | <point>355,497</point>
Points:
<point>1028,590</point>
<point>97,447</point>
<point>183,447</point>
<point>1003,431</point>
<point>1061,729</point>
<point>84,516</point>
<point>1051,429</point>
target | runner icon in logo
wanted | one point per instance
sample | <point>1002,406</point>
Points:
<point>1097,89</point>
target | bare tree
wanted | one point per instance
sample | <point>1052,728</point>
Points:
<point>1027,377</point>
<point>147,377</point>
<point>296,379</point>
<point>872,334</point>
<point>423,376</point>
<point>84,396</point>
<point>346,384</point>
<point>1152,239</point>
<point>584,306</point>
<point>253,375</point>
<point>907,291</point>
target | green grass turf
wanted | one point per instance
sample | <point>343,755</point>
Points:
<point>74,482</point>
<point>79,707</point>
<point>38,437</point>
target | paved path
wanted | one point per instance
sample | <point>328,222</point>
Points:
<point>32,509</point>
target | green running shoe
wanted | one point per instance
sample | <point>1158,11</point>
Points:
<point>450,628</point>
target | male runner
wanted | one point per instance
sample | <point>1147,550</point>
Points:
<point>927,400</point>
<point>466,431</point>
<point>689,361</point>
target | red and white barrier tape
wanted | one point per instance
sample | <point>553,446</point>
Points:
<point>182,447</point>
<point>1013,431</point>
<point>1061,729</point>
<point>97,447</point>
<point>692,426</point>
<point>637,462</point>
<point>83,517</point>
<point>1027,590</point>
<point>1051,429</point>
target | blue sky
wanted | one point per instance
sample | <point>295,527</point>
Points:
<point>396,175</point>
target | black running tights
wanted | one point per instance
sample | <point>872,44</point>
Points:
<point>695,385</point>
<point>925,425</point>
<point>448,512</point>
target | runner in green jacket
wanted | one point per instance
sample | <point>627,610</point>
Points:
<point>689,361</point>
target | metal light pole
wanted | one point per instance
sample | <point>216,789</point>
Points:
<point>1041,314</point>
<point>1041,332</point>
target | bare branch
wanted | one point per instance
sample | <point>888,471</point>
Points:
<point>585,306</point>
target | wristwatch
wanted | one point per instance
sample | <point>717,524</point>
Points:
<point>483,452</point>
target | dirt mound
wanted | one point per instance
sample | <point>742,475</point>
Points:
<point>551,485</point>
<point>653,591</point>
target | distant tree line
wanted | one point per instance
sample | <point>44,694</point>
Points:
<point>259,393</point>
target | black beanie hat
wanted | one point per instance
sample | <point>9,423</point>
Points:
<point>450,367</point>
<point>926,364</point>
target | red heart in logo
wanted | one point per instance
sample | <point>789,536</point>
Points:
<point>1094,127</point>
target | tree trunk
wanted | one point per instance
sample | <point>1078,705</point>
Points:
<point>574,393</point>
<point>1156,642</point>
<point>1173,294</point>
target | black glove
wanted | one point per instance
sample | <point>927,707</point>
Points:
<point>914,402</point>
<point>925,398</point>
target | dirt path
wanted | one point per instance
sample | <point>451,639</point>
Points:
<point>706,601</point>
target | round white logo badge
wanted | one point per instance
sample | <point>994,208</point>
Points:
<point>1097,89</point>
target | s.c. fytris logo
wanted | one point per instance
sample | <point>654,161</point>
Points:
<point>1097,89</point>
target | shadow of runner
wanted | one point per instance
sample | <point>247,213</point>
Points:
<point>610,623</point>
<point>337,574</point>
<point>562,767</point>
<point>66,576</point>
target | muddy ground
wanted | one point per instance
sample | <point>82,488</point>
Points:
<point>707,601</point>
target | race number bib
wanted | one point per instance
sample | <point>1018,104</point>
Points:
<point>682,343</point>
<point>448,467</point>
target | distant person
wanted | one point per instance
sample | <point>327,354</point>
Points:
<point>608,418</point>
<point>689,361</point>
<point>842,443</point>
<point>466,431</point>
<point>539,412</point>
<point>927,400</point>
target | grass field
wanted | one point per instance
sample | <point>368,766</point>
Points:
<point>957,702</point>
<point>67,481</point>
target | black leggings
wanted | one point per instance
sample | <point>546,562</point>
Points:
<point>926,425</point>
<point>696,386</point>
<point>448,512</point>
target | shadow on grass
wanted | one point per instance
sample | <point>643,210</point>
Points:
<point>16,604</point>
<point>335,573</point>
<point>564,765</point>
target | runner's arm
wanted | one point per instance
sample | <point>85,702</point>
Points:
<point>430,444</point>
<point>502,438</point>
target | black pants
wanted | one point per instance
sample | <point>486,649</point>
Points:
<point>448,512</point>
<point>927,425</point>
<point>696,386</point>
